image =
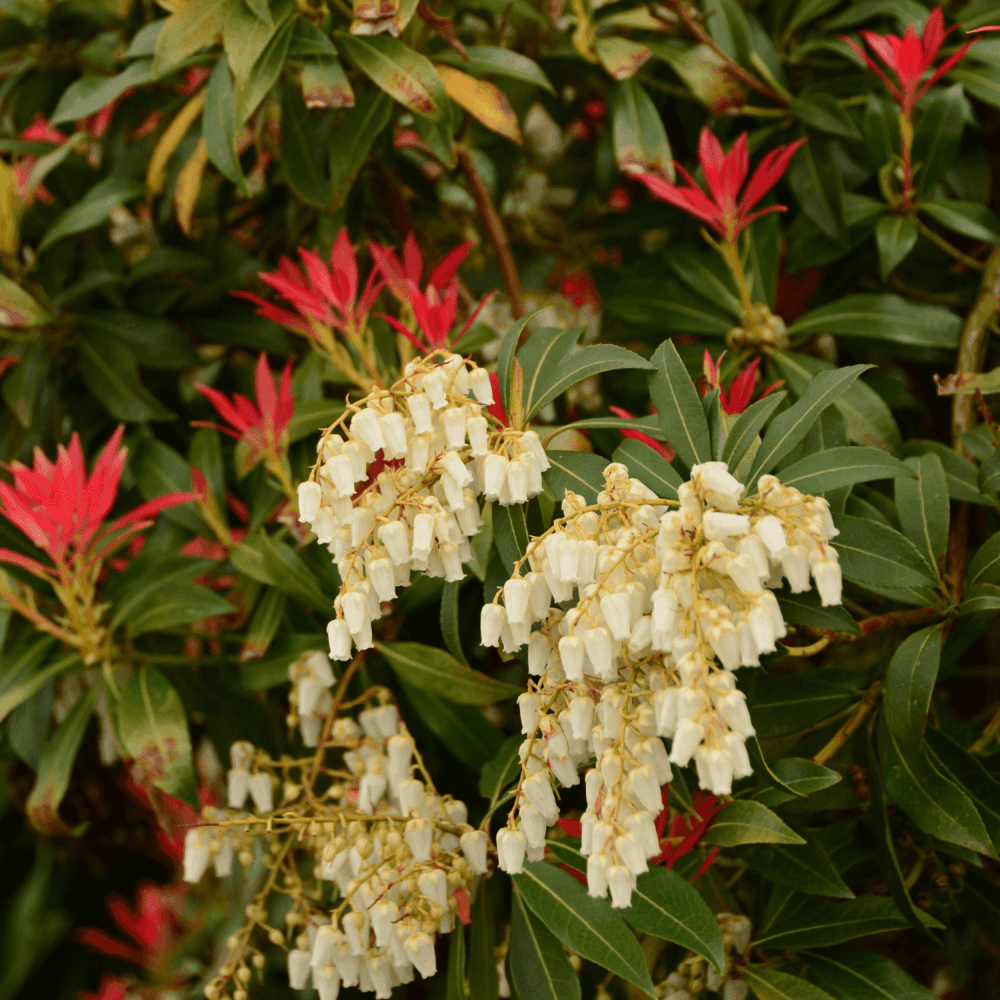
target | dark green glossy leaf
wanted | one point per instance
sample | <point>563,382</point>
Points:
<point>679,407</point>
<point>976,222</point>
<point>463,730</point>
<point>802,776</point>
<point>861,974</point>
<point>218,123</point>
<point>837,467</point>
<point>895,237</point>
<point>93,208</point>
<point>748,822</point>
<point>539,966</point>
<point>770,984</point>
<point>805,867</point>
<point>440,674</point>
<point>923,507</point>
<point>579,471</point>
<point>909,684</point>
<point>649,467</point>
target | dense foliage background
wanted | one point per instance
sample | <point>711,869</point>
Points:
<point>158,157</point>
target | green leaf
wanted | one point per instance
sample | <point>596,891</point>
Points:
<point>647,425</point>
<point>93,208</point>
<point>989,473</point>
<point>883,317</point>
<point>923,507</point>
<point>438,673</point>
<point>506,359</point>
<point>980,80</point>
<point>872,554</point>
<point>540,358</point>
<point>843,467</point>
<point>405,75</point>
<point>967,771</point>
<point>550,380</point>
<point>244,36</point>
<point>938,136</point>
<point>935,804</point>
<point>357,130</point>
<point>649,467</point>
<point>779,708</point>
<point>18,308</point>
<point>56,764</point>
<point>985,564</point>
<point>455,976</point>
<point>304,174</point>
<point>463,731</point>
<point>152,724</point>
<point>194,26</point>
<point>499,772</point>
<point>743,433</point>
<point>539,965</point>
<point>909,684</point>
<point>290,573</point>
<point>158,470</point>
<point>157,343</point>
<point>21,688</point>
<point>707,274</point>
<point>985,597</point>
<point>218,123</point>
<point>94,91</point>
<point>885,845</point>
<point>861,974</point>
<point>111,373</point>
<point>490,60</point>
<point>792,425</point>
<point>266,70</point>
<point>678,406</point>
<point>823,112</point>
<point>801,776</point>
<point>769,984</point>
<point>585,925</point>
<point>805,867</point>
<point>483,979</point>
<point>816,180</point>
<point>895,237</point>
<point>640,140</point>
<point>805,609</point>
<point>579,471</point>
<point>668,907</point>
<point>869,419</point>
<point>510,531</point>
<point>179,604</point>
<point>324,84</point>
<point>621,57</point>
<point>975,221</point>
<point>669,307</point>
<point>748,822</point>
<point>961,475</point>
<point>835,923</point>
<point>451,622</point>
<point>263,625</point>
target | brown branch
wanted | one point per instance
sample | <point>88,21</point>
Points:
<point>879,623</point>
<point>972,347</point>
<point>850,727</point>
<point>493,225</point>
<point>734,68</point>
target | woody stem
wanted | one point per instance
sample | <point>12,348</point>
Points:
<point>731,254</point>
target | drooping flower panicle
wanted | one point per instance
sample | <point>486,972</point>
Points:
<point>668,604</point>
<point>401,856</point>
<point>724,208</point>
<point>396,486</point>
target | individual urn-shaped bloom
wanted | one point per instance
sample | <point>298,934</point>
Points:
<point>718,525</point>
<point>620,884</point>
<point>538,791</point>
<point>516,592</point>
<point>262,792</point>
<point>474,845</point>
<point>617,613</point>
<point>327,981</point>
<point>492,620</point>
<point>339,636</point>
<point>511,845</point>
<point>572,653</point>
<point>299,968</point>
<point>419,835</point>
<point>829,582</point>
<point>237,787</point>
<point>197,854</point>
<point>419,949</point>
<point>528,704</point>
<point>310,497</point>
<point>733,709</point>
<point>687,738</point>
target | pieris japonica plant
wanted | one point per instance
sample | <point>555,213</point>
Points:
<point>499,500</point>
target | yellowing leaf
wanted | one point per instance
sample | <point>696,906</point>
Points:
<point>484,101</point>
<point>621,57</point>
<point>10,211</point>
<point>188,185</point>
<point>170,140</point>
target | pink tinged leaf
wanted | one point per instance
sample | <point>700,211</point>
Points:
<point>305,300</point>
<point>402,331</point>
<point>769,171</point>
<point>910,58</point>
<point>413,261</point>
<point>267,401</point>
<point>874,66</point>
<point>945,67</point>
<point>344,266</point>
<point>150,509</point>
<point>734,172</point>
<point>286,401</point>
<point>713,162</point>
<point>690,200</point>
<point>472,318</point>
<point>319,276</point>
<point>268,310</point>
<point>933,36</point>
<point>31,565</point>
<point>225,409</point>
<point>741,388</point>
<point>445,271</point>
<point>373,288</point>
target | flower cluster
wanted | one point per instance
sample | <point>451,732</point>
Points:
<point>645,614</point>
<point>694,975</point>
<point>396,485</point>
<point>400,856</point>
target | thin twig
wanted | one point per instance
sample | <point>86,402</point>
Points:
<point>986,736</point>
<point>493,225</point>
<point>734,68</point>
<point>952,251</point>
<point>850,727</point>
